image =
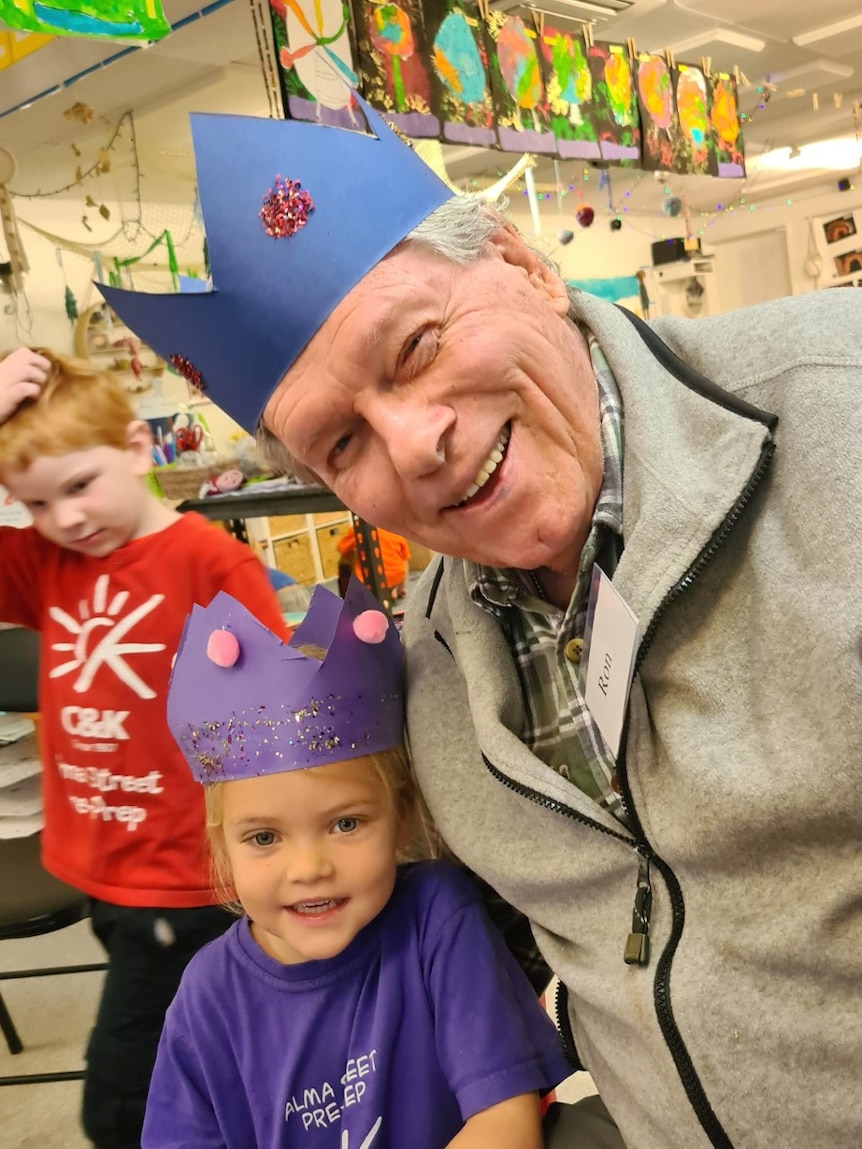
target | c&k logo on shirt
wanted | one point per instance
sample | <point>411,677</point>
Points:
<point>99,639</point>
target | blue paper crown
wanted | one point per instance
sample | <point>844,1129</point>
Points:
<point>350,197</point>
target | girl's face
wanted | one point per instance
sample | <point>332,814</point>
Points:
<point>313,855</point>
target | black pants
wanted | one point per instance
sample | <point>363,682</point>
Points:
<point>148,949</point>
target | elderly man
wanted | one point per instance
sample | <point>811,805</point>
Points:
<point>635,675</point>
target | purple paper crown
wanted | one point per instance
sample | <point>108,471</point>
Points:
<point>295,215</point>
<point>242,703</point>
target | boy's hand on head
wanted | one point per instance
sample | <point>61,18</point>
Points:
<point>22,374</point>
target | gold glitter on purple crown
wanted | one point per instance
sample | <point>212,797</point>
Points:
<point>242,702</point>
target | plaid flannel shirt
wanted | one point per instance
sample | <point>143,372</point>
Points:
<point>559,728</point>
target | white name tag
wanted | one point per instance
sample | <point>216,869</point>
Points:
<point>611,642</point>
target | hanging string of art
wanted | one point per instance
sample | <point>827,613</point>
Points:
<point>460,72</point>
<point>105,19</point>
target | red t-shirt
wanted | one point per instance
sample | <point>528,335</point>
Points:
<point>124,818</point>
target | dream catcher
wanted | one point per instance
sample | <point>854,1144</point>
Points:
<point>11,271</point>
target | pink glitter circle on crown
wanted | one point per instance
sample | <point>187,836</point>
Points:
<point>188,371</point>
<point>286,208</point>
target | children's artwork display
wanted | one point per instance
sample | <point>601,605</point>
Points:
<point>839,249</point>
<point>316,61</point>
<point>726,129</point>
<point>393,62</point>
<point>615,104</point>
<point>697,147</point>
<point>660,134</point>
<point>102,19</point>
<point>461,73</point>
<point>517,87</point>
<point>569,92</point>
<point>454,34</point>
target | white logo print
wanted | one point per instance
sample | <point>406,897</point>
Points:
<point>109,649</point>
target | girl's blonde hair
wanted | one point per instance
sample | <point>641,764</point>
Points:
<point>77,408</point>
<point>394,771</point>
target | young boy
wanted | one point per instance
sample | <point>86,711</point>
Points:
<point>108,574</point>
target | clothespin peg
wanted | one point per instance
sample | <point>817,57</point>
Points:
<point>630,44</point>
<point>815,101</point>
<point>588,36</point>
<point>706,64</point>
<point>837,97</point>
<point>668,55</point>
<point>539,23</point>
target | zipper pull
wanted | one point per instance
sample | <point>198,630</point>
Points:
<point>637,943</point>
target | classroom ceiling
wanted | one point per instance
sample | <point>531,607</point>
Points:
<point>803,68</point>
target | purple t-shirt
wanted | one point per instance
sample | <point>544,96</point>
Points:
<point>424,1020</point>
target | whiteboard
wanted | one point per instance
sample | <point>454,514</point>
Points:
<point>752,269</point>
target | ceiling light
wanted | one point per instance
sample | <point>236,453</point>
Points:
<point>721,36</point>
<point>838,154</point>
<point>827,31</point>
<point>819,65</point>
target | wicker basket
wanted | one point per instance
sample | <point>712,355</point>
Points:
<point>176,482</point>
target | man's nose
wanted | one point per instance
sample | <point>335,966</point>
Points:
<point>415,432</point>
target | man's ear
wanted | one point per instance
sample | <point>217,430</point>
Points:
<point>510,247</point>
<point>139,444</point>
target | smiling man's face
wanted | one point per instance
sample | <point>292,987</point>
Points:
<point>454,405</point>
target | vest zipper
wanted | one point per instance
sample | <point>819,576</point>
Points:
<point>704,1112</point>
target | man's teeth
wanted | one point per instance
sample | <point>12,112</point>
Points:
<point>488,467</point>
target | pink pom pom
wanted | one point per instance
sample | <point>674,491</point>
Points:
<point>371,626</point>
<point>222,648</point>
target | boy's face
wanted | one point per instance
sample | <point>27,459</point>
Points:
<point>90,501</point>
<point>313,856</point>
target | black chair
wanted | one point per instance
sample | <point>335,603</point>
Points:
<point>32,902</point>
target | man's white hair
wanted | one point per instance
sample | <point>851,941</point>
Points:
<point>458,230</point>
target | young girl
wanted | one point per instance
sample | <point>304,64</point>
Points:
<point>359,1003</point>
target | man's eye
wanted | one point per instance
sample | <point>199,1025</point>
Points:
<point>420,346</point>
<point>346,825</point>
<point>263,838</point>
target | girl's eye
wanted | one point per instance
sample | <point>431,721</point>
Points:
<point>341,444</point>
<point>263,838</point>
<point>81,485</point>
<point>346,825</point>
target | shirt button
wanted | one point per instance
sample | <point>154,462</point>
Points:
<point>573,650</point>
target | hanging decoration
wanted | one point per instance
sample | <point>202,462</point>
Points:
<point>516,86</point>
<point>615,103</point>
<point>565,237</point>
<point>69,300</point>
<point>725,125</point>
<point>18,265</point>
<point>585,216</point>
<point>317,61</point>
<point>569,87</point>
<point>393,65</point>
<point>672,206</point>
<point>100,19</point>
<point>659,118</point>
<point>697,147</point>
<point>459,57</point>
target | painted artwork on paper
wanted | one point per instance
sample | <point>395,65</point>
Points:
<point>615,104</point>
<point>725,126</point>
<point>394,72</point>
<point>849,263</point>
<point>99,19</point>
<point>316,61</point>
<point>517,87</point>
<point>454,32</point>
<point>660,134</point>
<point>697,150</point>
<point>569,92</point>
<point>842,227</point>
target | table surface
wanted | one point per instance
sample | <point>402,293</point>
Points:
<point>249,505</point>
